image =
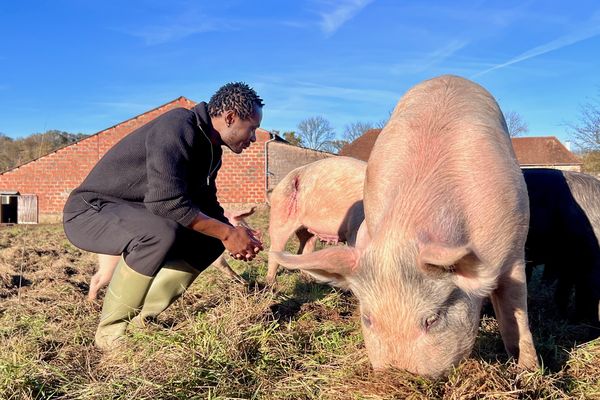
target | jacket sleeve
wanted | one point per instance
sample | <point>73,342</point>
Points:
<point>217,211</point>
<point>168,161</point>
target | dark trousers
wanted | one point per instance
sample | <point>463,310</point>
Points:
<point>144,239</point>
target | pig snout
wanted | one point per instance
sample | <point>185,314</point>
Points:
<point>420,347</point>
<point>421,324</point>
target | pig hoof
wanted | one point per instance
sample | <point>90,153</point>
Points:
<point>270,279</point>
<point>529,363</point>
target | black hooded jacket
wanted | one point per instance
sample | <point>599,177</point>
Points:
<point>168,166</point>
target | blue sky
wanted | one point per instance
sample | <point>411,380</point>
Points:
<point>82,66</point>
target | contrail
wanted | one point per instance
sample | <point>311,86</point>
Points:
<point>559,43</point>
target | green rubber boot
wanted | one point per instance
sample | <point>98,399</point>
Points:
<point>124,297</point>
<point>169,284</point>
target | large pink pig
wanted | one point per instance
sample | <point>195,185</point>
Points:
<point>321,200</point>
<point>446,218</point>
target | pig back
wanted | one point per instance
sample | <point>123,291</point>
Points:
<point>331,191</point>
<point>444,159</point>
<point>324,196</point>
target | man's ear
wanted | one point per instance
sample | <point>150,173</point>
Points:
<point>229,116</point>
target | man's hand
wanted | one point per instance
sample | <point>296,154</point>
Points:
<point>243,243</point>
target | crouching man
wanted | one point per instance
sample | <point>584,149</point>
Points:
<point>152,200</point>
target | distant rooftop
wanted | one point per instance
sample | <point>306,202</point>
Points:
<point>544,150</point>
<point>530,151</point>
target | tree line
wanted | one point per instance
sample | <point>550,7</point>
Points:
<point>313,132</point>
<point>319,134</point>
<point>15,152</point>
<point>585,133</point>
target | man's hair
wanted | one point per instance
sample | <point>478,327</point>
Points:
<point>236,96</point>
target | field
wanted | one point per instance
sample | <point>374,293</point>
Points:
<point>224,340</point>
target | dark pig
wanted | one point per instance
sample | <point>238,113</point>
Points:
<point>563,234</point>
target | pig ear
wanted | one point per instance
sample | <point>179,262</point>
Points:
<point>330,265</point>
<point>236,216</point>
<point>363,238</point>
<point>240,214</point>
<point>460,261</point>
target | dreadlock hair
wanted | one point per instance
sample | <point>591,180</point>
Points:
<point>236,96</point>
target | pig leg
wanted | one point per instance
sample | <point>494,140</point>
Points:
<point>106,267</point>
<point>222,265</point>
<point>279,236</point>
<point>307,240</point>
<point>587,292</point>
<point>510,305</point>
<point>308,243</point>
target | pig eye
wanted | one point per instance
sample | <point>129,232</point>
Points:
<point>431,321</point>
<point>366,320</point>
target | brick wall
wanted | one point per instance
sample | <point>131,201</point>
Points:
<point>53,176</point>
<point>241,179</point>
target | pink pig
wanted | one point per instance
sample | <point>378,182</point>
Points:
<point>107,263</point>
<point>321,200</point>
<point>446,218</point>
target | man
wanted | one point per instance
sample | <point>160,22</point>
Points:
<point>152,199</point>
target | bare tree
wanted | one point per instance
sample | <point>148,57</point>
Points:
<point>292,138</point>
<point>352,131</point>
<point>515,123</point>
<point>382,122</point>
<point>591,162</point>
<point>355,130</point>
<point>336,145</point>
<point>585,133</point>
<point>316,133</point>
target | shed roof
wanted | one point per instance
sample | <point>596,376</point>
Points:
<point>539,150</point>
<point>543,150</point>
<point>361,147</point>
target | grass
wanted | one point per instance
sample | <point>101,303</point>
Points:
<point>223,340</point>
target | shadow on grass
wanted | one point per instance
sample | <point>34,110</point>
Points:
<point>304,292</point>
<point>554,336</point>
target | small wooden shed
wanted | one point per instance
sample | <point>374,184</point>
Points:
<point>16,208</point>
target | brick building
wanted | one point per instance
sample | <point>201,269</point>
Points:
<point>545,152</point>
<point>45,183</point>
<point>531,152</point>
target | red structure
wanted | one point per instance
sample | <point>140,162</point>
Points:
<point>242,178</point>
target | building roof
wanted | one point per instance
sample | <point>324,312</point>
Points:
<point>139,119</point>
<point>530,151</point>
<point>543,150</point>
<point>361,147</point>
<point>130,125</point>
<point>145,117</point>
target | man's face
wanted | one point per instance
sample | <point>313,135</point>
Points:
<point>241,132</point>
